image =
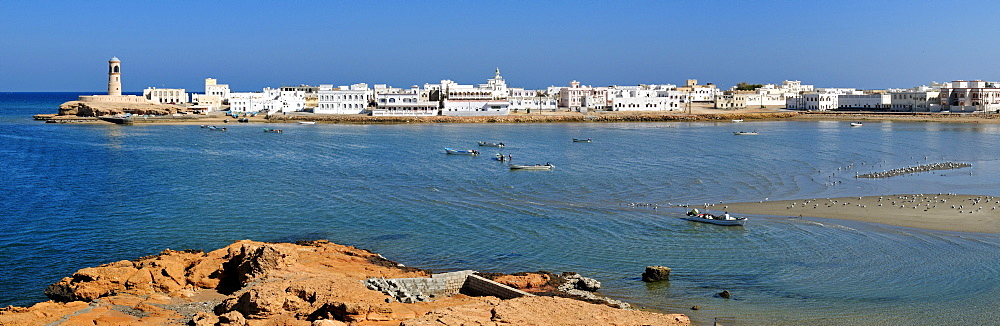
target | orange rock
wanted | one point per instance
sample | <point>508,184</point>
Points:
<point>528,281</point>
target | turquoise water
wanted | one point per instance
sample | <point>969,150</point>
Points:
<point>76,196</point>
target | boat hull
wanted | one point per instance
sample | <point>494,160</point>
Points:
<point>739,221</point>
<point>531,167</point>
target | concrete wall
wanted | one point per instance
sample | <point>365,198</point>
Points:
<point>476,285</point>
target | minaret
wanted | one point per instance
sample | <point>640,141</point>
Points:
<point>114,76</point>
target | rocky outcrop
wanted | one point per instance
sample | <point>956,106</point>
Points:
<point>98,109</point>
<point>310,283</point>
<point>656,274</point>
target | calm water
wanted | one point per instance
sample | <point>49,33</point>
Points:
<point>76,196</point>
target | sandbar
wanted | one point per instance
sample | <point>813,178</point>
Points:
<point>944,212</point>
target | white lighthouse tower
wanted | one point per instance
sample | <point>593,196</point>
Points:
<point>114,76</point>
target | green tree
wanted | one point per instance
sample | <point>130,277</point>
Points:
<point>744,86</point>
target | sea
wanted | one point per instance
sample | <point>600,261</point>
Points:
<point>75,196</point>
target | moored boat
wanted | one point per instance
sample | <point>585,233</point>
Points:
<point>575,140</point>
<point>460,151</point>
<point>744,133</point>
<point>547,166</point>
<point>737,120</point>
<point>724,220</point>
<point>277,131</point>
<point>489,144</point>
<point>307,122</point>
<point>856,124</point>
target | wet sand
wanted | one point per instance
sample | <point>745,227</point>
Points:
<point>945,212</point>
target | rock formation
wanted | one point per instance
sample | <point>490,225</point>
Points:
<point>97,109</point>
<point>311,283</point>
<point>656,274</point>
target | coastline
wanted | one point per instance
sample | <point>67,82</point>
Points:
<point>941,212</point>
<point>698,115</point>
<point>304,283</point>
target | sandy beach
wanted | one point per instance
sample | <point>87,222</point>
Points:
<point>945,212</point>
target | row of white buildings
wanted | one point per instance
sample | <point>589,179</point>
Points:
<point>495,98</point>
<point>445,98</point>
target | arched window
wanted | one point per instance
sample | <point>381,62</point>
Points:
<point>116,69</point>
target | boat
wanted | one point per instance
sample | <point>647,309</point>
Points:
<point>500,157</point>
<point>489,144</point>
<point>737,120</point>
<point>724,220</point>
<point>307,122</point>
<point>461,151</point>
<point>547,166</point>
<point>856,124</point>
<point>744,133</point>
<point>277,131</point>
<point>575,140</point>
<point>214,128</point>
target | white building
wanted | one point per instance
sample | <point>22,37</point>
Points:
<point>490,99</point>
<point>343,100</point>
<point>970,96</point>
<point>475,108</point>
<point>643,98</point>
<point>403,104</point>
<point>213,88</point>
<point>812,102</point>
<point>917,99</point>
<point>768,95</point>
<point>864,101</point>
<point>277,100</point>
<point>530,100</point>
<point>699,93</point>
<point>243,102</point>
<point>165,95</point>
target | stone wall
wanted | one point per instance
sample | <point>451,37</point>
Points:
<point>113,99</point>
<point>419,289</point>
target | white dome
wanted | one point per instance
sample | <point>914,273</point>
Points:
<point>114,59</point>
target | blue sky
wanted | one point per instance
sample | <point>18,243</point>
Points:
<point>64,46</point>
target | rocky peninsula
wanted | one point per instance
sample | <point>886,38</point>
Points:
<point>306,283</point>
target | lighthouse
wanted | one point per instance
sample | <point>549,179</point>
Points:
<point>114,76</point>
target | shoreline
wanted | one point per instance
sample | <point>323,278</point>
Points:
<point>313,283</point>
<point>939,212</point>
<point>699,115</point>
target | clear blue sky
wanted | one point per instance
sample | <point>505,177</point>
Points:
<point>65,45</point>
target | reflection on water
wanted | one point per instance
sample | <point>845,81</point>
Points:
<point>79,196</point>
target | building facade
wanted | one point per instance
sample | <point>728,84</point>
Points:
<point>970,96</point>
<point>165,95</point>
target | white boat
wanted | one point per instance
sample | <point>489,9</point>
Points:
<point>461,151</point>
<point>489,144</point>
<point>856,124</point>
<point>744,133</point>
<point>307,122</point>
<point>724,220</point>
<point>737,120</point>
<point>547,166</point>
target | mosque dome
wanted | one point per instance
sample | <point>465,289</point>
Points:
<point>114,59</point>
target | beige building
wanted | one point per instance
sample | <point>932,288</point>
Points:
<point>165,95</point>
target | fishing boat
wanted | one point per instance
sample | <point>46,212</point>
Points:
<point>489,144</point>
<point>461,151</point>
<point>214,128</point>
<point>547,166</point>
<point>307,122</point>
<point>500,157</point>
<point>856,124</point>
<point>277,131</point>
<point>724,220</point>
<point>744,133</point>
<point>737,120</point>
<point>575,140</point>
